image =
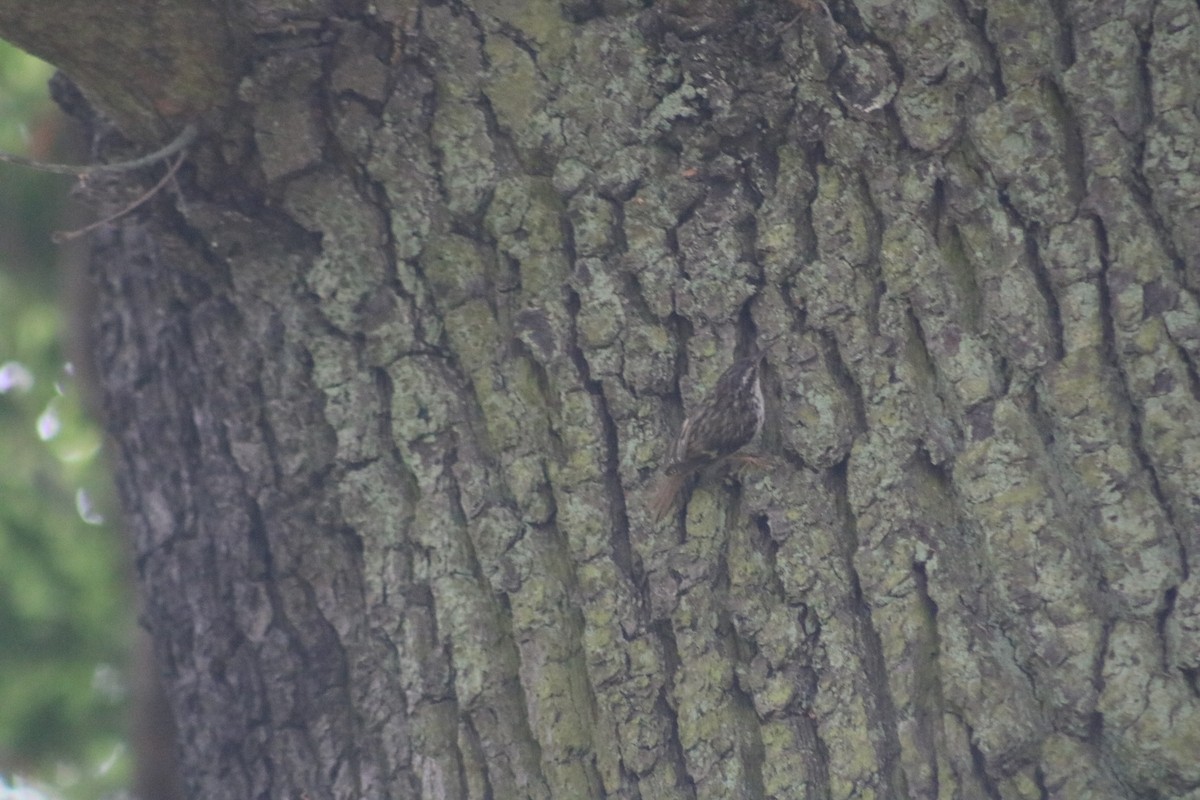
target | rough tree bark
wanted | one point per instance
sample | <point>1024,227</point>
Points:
<point>390,380</point>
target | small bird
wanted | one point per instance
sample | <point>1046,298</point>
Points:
<point>730,416</point>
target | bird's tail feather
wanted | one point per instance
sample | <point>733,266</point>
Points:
<point>665,495</point>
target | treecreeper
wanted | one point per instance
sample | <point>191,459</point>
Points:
<point>729,417</point>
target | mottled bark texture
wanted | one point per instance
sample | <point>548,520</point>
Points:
<point>389,397</point>
<point>147,63</point>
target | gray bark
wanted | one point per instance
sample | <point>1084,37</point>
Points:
<point>389,387</point>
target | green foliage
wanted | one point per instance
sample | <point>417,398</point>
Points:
<point>65,624</point>
<point>29,200</point>
<point>23,81</point>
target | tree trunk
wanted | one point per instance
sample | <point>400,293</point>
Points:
<point>391,381</point>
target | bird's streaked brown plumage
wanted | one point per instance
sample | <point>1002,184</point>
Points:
<point>728,418</point>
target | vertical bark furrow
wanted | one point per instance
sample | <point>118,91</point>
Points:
<point>388,425</point>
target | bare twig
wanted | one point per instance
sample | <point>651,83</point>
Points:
<point>64,236</point>
<point>185,138</point>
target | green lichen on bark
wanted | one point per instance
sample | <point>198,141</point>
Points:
<point>977,312</point>
<point>967,571</point>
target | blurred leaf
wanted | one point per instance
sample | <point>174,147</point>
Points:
<point>22,95</point>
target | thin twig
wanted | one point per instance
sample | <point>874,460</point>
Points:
<point>58,237</point>
<point>185,137</point>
